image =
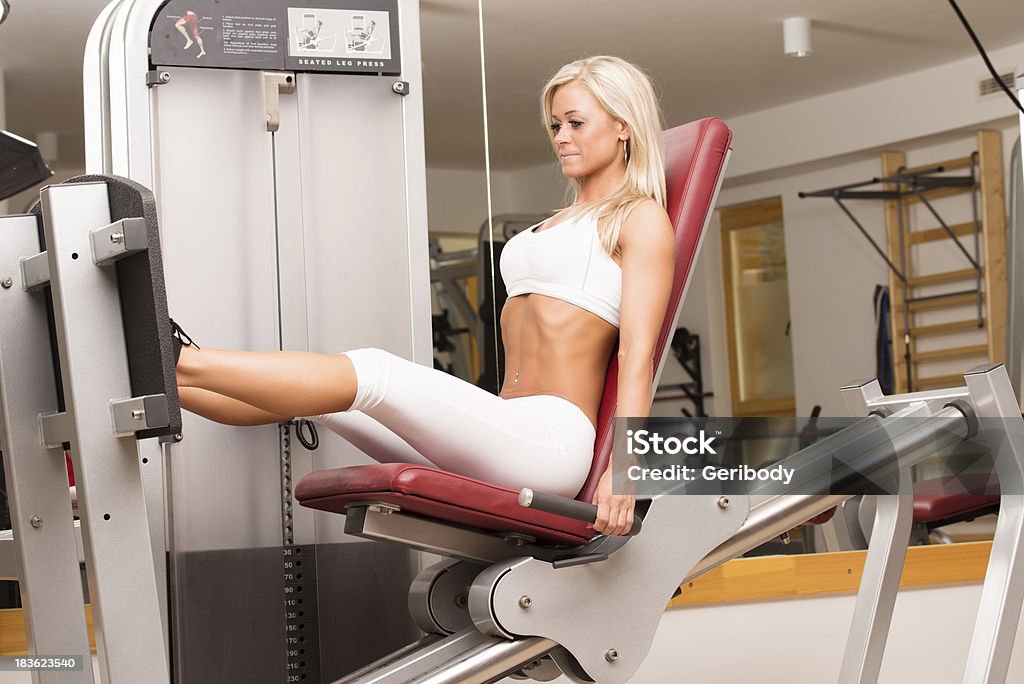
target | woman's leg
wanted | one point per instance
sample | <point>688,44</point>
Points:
<point>542,442</point>
<point>452,423</point>
<point>358,429</point>
<point>372,438</point>
<point>221,409</point>
<point>282,383</point>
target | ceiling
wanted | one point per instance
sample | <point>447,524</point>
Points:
<point>708,57</point>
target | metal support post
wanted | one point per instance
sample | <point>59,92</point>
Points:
<point>37,478</point>
<point>1002,428</point>
<point>94,370</point>
<point>879,584</point>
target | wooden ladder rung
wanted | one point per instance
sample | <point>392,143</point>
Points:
<point>951,353</point>
<point>937,193</point>
<point>946,302</point>
<point>942,328</point>
<point>937,381</point>
<point>951,165</point>
<point>916,237</point>
<point>944,277</point>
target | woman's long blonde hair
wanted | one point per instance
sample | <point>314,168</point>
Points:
<point>627,94</point>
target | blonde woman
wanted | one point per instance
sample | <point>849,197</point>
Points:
<point>594,278</point>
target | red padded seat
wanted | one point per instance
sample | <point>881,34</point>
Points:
<point>933,503</point>
<point>695,157</point>
<point>437,494</point>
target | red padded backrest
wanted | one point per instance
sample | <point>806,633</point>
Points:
<point>695,156</point>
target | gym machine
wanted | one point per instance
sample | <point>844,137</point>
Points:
<point>529,591</point>
<point>250,260</point>
<point>271,157</point>
<point>511,601</point>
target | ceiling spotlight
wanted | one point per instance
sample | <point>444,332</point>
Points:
<point>5,9</point>
<point>796,36</point>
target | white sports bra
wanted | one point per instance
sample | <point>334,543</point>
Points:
<point>567,262</point>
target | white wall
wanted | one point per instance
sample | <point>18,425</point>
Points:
<point>833,269</point>
<point>830,140</point>
<point>801,641</point>
<point>907,107</point>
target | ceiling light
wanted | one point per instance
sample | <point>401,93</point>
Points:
<point>796,36</point>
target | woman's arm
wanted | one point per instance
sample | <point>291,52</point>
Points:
<point>646,244</point>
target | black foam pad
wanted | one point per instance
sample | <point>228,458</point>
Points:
<point>143,293</point>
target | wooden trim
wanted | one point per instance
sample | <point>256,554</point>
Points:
<point>942,328</point>
<point>932,194</point>
<point>820,574</point>
<point>732,218</point>
<point>892,164</point>
<point>951,353</point>
<point>751,213</point>
<point>916,237</point>
<point>946,302</point>
<point>13,641</point>
<point>951,165</point>
<point>786,406</point>
<point>993,220</point>
<point>939,382</point>
<point>730,314</point>
<point>944,277</point>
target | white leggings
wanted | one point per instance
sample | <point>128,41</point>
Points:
<point>407,413</point>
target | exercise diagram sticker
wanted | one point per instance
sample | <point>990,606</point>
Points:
<point>331,34</point>
<point>189,28</point>
<point>239,34</point>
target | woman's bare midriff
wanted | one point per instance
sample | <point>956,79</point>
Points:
<point>554,347</point>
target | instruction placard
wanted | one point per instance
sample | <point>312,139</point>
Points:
<point>341,36</point>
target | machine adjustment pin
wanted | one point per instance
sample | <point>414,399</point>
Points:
<point>611,655</point>
<point>723,502</point>
<point>400,87</point>
<point>7,283</point>
<point>461,601</point>
<point>525,602</point>
<point>36,521</point>
<point>784,538</point>
<point>165,76</point>
<point>117,238</point>
<point>138,414</point>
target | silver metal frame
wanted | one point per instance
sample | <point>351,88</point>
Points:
<point>533,602</point>
<point>46,561</point>
<point>122,576</point>
<point>124,129</point>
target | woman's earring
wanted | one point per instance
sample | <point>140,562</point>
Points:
<point>625,151</point>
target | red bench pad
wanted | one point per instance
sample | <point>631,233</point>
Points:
<point>933,503</point>
<point>439,495</point>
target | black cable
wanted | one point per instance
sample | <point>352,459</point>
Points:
<point>314,439</point>
<point>984,55</point>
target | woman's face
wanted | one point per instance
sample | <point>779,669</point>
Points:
<point>586,137</point>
